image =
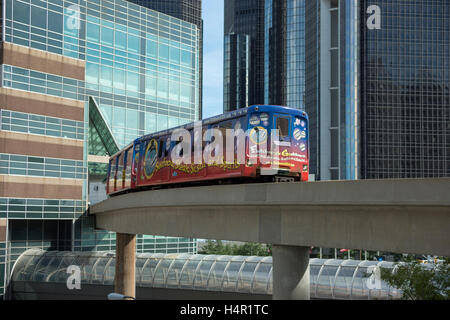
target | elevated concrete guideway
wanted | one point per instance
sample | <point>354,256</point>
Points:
<point>404,215</point>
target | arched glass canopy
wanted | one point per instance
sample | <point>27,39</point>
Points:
<point>329,279</point>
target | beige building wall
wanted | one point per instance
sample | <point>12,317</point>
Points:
<point>14,186</point>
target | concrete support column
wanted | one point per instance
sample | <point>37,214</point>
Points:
<point>290,273</point>
<point>125,279</point>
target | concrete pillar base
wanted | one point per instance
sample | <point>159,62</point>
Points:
<point>290,273</point>
<point>125,276</point>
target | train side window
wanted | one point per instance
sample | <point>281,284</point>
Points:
<point>282,124</point>
<point>168,147</point>
<point>181,152</point>
<point>161,148</point>
<point>223,126</point>
<point>120,168</point>
<point>194,139</point>
<point>136,157</point>
<point>112,171</point>
<point>206,139</point>
<point>128,165</point>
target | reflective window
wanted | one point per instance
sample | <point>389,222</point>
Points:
<point>38,17</point>
<point>106,76</point>
<point>133,43</point>
<point>119,117</point>
<point>21,12</point>
<point>150,86</point>
<point>186,58</point>
<point>55,22</point>
<point>132,119</point>
<point>150,122</point>
<point>162,122</point>
<point>119,79</point>
<point>120,40</point>
<point>107,36</point>
<point>163,88</point>
<point>163,52</point>
<point>92,72</point>
<point>93,32</point>
<point>132,81</point>
<point>174,55</point>
<point>174,90</point>
<point>185,93</point>
<point>152,49</point>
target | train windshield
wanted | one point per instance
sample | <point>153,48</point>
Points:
<point>282,125</point>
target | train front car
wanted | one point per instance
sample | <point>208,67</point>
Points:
<point>278,142</point>
<point>267,143</point>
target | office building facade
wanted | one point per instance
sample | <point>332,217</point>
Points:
<point>243,53</point>
<point>236,71</point>
<point>284,57</point>
<point>189,11</point>
<point>405,89</point>
<point>368,73</point>
<point>332,90</point>
<point>79,80</point>
<point>277,53</point>
<point>377,88</point>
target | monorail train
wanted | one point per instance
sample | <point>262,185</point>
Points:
<point>147,162</point>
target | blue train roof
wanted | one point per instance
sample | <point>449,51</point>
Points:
<point>230,115</point>
<point>279,109</point>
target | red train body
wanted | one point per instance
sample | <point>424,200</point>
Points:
<point>147,162</point>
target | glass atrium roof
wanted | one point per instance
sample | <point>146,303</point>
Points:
<point>329,279</point>
<point>104,134</point>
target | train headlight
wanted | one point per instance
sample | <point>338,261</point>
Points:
<point>254,120</point>
<point>305,168</point>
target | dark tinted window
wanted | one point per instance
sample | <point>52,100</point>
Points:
<point>282,125</point>
<point>161,148</point>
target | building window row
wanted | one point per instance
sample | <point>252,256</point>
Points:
<point>41,208</point>
<point>48,27</point>
<point>45,83</point>
<point>121,82</point>
<point>42,167</point>
<point>42,125</point>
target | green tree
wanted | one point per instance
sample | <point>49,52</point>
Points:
<point>418,282</point>
<point>216,247</point>
<point>246,249</point>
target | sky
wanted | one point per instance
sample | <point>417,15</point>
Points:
<point>212,11</point>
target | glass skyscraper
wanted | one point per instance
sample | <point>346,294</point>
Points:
<point>277,53</point>
<point>243,53</point>
<point>187,10</point>
<point>378,88</point>
<point>332,90</point>
<point>284,56</point>
<point>236,71</point>
<point>79,80</point>
<point>405,90</point>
